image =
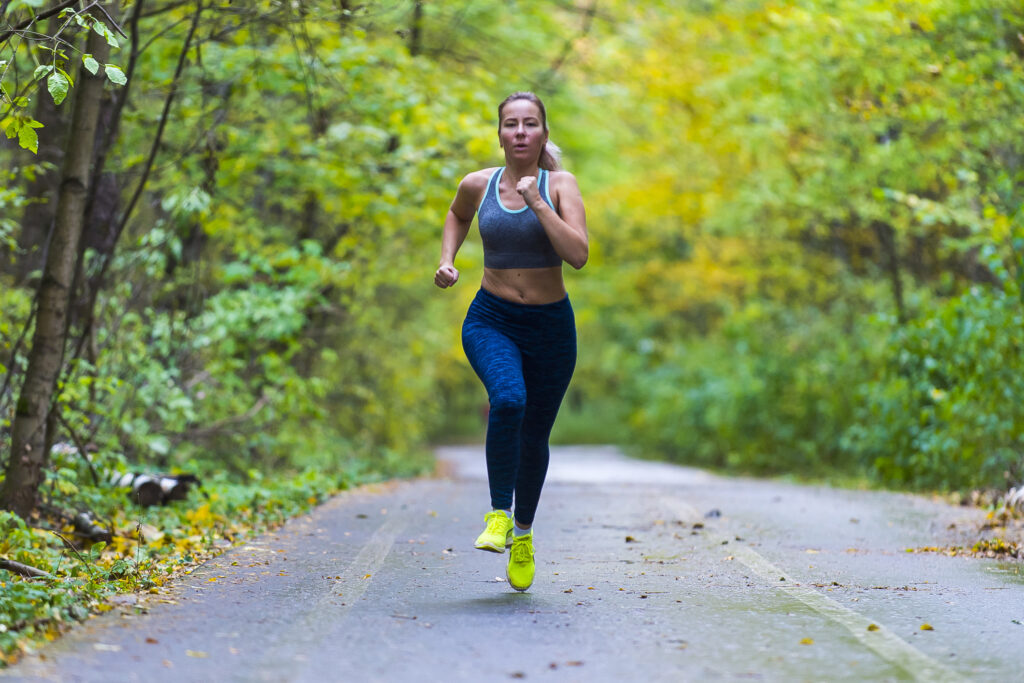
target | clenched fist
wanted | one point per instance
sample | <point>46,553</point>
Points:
<point>446,276</point>
<point>527,187</point>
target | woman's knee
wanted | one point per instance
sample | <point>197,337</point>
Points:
<point>509,401</point>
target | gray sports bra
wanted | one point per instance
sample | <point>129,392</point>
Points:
<point>514,239</point>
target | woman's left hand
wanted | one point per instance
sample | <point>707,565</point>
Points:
<point>527,187</point>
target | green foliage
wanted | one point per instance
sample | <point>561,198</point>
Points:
<point>765,396</point>
<point>944,413</point>
<point>49,54</point>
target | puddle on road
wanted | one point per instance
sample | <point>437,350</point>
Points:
<point>1013,571</point>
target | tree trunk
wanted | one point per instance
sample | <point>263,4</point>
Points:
<point>416,31</point>
<point>37,219</point>
<point>887,241</point>
<point>28,453</point>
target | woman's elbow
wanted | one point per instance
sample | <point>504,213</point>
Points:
<point>579,259</point>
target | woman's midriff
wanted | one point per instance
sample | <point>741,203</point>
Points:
<point>532,286</point>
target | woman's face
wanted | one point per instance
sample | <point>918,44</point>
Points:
<point>521,131</point>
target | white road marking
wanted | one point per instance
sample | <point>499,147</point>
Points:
<point>310,628</point>
<point>882,641</point>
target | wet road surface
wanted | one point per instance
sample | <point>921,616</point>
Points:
<point>645,572</point>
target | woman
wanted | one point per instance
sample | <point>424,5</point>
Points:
<point>519,333</point>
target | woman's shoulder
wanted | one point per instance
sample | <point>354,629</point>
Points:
<point>478,179</point>
<point>475,183</point>
<point>561,179</point>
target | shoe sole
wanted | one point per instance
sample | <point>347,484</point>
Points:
<point>494,548</point>
<point>490,548</point>
<point>521,590</point>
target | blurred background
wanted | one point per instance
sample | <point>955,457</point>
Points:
<point>806,224</point>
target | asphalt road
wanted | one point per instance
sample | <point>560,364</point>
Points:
<point>645,572</point>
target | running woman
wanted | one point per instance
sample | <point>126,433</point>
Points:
<point>519,334</point>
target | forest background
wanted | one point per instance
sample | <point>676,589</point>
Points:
<point>806,220</point>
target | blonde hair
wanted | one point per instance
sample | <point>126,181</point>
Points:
<point>551,155</point>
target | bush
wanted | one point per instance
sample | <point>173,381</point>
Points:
<point>765,395</point>
<point>945,413</point>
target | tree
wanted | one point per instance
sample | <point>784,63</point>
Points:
<point>28,445</point>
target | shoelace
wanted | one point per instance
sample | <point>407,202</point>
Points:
<point>520,552</point>
<point>494,526</point>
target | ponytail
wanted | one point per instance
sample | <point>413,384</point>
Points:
<point>551,157</point>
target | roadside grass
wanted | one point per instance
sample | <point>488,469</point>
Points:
<point>150,546</point>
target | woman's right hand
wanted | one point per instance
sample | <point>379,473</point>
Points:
<point>446,276</point>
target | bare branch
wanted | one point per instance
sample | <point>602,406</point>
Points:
<point>45,14</point>
<point>24,570</point>
<point>79,444</point>
<point>221,425</point>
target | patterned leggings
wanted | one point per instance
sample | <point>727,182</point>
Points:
<point>525,356</point>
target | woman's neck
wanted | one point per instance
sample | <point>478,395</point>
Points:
<point>516,173</point>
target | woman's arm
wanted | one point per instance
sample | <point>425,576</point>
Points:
<point>566,228</point>
<point>456,225</point>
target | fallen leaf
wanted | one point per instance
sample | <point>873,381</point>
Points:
<point>198,654</point>
<point>104,647</point>
<point>807,641</point>
<point>927,627</point>
<point>872,627</point>
<point>567,590</point>
<point>152,641</point>
<point>368,576</point>
<point>630,539</point>
<point>575,662</point>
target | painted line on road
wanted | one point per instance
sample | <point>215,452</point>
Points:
<point>882,641</point>
<point>317,622</point>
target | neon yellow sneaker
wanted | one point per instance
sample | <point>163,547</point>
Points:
<point>498,534</point>
<point>521,566</point>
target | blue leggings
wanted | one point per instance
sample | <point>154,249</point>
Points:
<point>525,356</point>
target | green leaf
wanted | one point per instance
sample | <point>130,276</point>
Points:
<point>102,29</point>
<point>41,70</point>
<point>115,74</point>
<point>58,85</point>
<point>28,139</point>
<point>90,64</point>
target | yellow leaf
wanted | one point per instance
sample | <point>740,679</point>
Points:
<point>926,627</point>
<point>198,654</point>
<point>368,576</point>
<point>872,627</point>
<point>807,641</point>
